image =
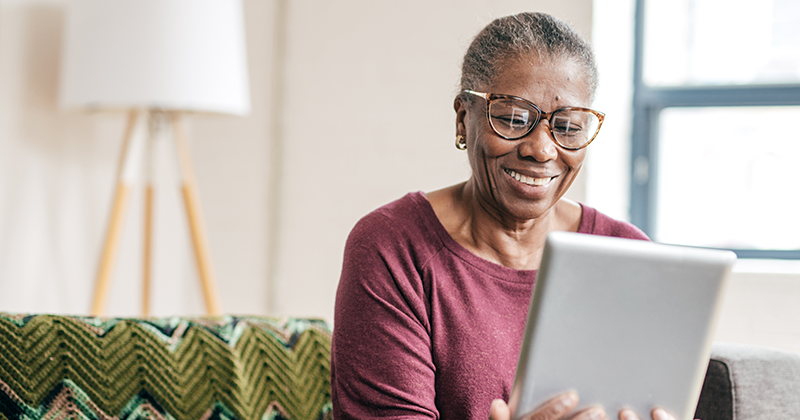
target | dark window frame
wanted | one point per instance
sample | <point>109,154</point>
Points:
<point>648,102</point>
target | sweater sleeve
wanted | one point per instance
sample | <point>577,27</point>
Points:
<point>597,223</point>
<point>381,363</point>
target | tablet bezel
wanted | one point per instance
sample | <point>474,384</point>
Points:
<point>625,323</point>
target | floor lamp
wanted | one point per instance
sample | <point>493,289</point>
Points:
<point>162,58</point>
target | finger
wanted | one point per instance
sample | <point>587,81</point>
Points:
<point>555,408</point>
<point>591,413</point>
<point>628,414</point>
<point>659,413</point>
<point>499,411</point>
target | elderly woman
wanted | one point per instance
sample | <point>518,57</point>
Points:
<point>435,287</point>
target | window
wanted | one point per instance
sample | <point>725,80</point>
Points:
<point>716,142</point>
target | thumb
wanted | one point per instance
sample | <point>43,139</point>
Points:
<point>499,411</point>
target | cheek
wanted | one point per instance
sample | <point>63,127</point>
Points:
<point>478,156</point>
<point>482,139</point>
<point>574,160</point>
<point>496,147</point>
<point>483,162</point>
<point>486,154</point>
<point>488,146</point>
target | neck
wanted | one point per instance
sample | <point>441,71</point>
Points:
<point>497,237</point>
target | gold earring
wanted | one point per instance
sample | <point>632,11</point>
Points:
<point>461,142</point>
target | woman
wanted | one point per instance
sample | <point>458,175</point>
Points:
<point>435,287</point>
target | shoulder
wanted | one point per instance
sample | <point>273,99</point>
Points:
<point>597,223</point>
<point>392,218</point>
<point>402,226</point>
<point>384,260</point>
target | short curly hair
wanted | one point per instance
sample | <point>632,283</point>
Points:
<point>512,37</point>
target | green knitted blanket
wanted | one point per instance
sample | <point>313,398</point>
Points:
<point>244,368</point>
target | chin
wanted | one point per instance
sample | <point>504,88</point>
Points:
<point>524,211</point>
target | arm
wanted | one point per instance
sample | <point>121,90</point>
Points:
<point>381,354</point>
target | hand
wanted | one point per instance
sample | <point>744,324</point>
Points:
<point>656,414</point>
<point>558,407</point>
<point>553,409</point>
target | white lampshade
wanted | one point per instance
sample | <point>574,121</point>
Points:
<point>184,55</point>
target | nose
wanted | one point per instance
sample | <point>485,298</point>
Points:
<point>538,144</point>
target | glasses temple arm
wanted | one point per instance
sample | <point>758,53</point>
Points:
<point>481,94</point>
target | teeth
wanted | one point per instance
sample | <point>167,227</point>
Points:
<point>528,180</point>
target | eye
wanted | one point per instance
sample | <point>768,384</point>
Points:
<point>565,126</point>
<point>514,117</point>
<point>511,121</point>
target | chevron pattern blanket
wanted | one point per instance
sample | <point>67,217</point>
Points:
<point>243,368</point>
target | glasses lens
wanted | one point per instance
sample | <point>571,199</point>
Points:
<point>512,118</point>
<point>573,129</point>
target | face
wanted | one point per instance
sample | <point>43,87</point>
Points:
<point>545,170</point>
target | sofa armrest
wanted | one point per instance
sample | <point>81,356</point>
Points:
<point>745,382</point>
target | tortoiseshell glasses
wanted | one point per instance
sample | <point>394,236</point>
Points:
<point>512,118</point>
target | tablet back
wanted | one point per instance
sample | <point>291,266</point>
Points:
<point>624,323</point>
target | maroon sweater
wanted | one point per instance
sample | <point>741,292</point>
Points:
<point>423,328</point>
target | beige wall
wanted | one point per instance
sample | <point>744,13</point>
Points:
<point>352,108</point>
<point>367,117</point>
<point>57,174</point>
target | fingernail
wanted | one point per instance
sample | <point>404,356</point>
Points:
<point>628,415</point>
<point>568,400</point>
<point>493,406</point>
<point>597,413</point>
<point>660,414</point>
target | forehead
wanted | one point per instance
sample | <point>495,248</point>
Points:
<point>548,82</point>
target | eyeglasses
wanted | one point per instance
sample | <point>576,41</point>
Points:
<point>512,118</point>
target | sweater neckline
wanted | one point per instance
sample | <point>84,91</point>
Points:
<point>496,270</point>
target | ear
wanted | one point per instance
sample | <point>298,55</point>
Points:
<point>461,113</point>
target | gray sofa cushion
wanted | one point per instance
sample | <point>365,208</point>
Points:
<point>746,382</point>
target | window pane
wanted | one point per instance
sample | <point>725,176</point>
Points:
<point>711,42</point>
<point>729,177</point>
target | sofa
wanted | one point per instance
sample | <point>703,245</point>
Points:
<point>226,368</point>
<point>259,368</point>
<point>745,382</point>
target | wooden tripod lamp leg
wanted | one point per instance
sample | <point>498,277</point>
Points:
<point>199,240</point>
<point>113,231</point>
<point>148,248</point>
<point>148,214</point>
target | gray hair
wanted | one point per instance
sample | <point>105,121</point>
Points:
<point>517,36</point>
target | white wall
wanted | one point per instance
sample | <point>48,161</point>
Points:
<point>761,305</point>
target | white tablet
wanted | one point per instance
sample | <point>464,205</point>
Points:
<point>624,323</point>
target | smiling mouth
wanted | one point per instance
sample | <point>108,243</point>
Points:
<point>529,180</point>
